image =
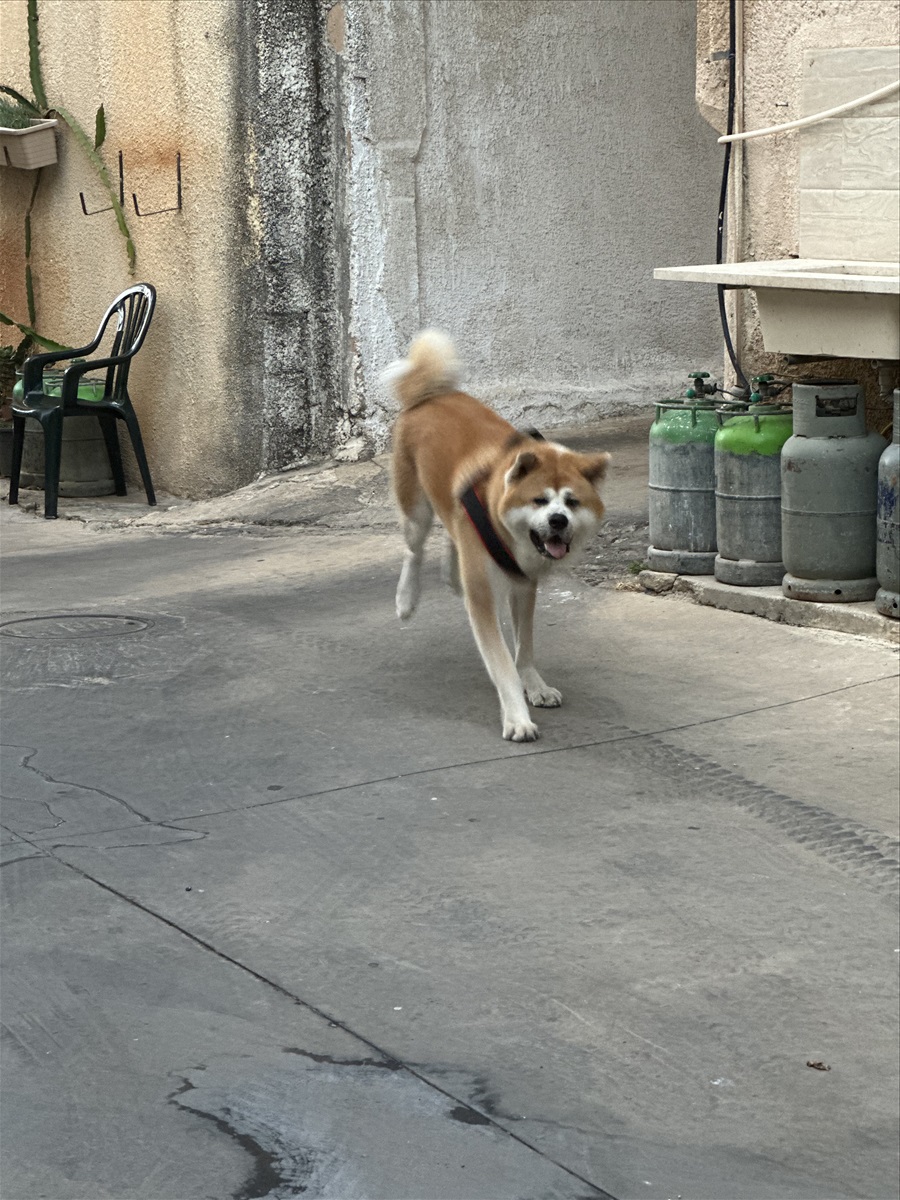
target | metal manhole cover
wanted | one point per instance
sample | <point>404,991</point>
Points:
<point>66,626</point>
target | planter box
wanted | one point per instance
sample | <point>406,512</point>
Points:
<point>29,148</point>
<point>84,468</point>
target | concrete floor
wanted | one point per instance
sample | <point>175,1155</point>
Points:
<point>282,911</point>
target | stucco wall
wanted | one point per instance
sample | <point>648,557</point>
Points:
<point>293,275</point>
<point>776,34</point>
<point>517,172</point>
<point>511,172</point>
<point>163,70</point>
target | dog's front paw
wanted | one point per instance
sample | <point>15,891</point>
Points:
<point>520,731</point>
<point>405,607</point>
<point>544,696</point>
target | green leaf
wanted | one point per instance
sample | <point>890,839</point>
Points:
<point>34,55</point>
<point>23,100</point>
<point>29,295</point>
<point>31,333</point>
<point>99,128</point>
<point>100,167</point>
<point>29,284</point>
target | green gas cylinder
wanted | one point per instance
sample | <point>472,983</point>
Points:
<point>683,482</point>
<point>748,493</point>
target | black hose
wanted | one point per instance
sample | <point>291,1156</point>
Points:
<point>723,198</point>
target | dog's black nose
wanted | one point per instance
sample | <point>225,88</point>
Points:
<point>558,521</point>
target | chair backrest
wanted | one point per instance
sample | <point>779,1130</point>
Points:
<point>133,310</point>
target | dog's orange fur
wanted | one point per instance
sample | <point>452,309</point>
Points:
<point>444,440</point>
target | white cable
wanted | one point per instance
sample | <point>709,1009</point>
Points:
<point>822,116</point>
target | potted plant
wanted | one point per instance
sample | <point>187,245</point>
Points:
<point>27,140</point>
<point>11,359</point>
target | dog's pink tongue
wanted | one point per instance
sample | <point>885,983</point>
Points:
<point>556,549</point>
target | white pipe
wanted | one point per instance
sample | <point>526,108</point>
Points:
<point>888,90</point>
<point>735,224</point>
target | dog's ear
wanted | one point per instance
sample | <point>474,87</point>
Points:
<point>524,463</point>
<point>515,439</point>
<point>593,467</point>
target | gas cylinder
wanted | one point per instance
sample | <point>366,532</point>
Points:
<point>829,472</point>
<point>683,482</point>
<point>887,539</point>
<point>748,493</point>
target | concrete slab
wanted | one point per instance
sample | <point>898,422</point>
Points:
<point>612,954</point>
<point>632,973</point>
<point>823,753</point>
<point>144,1064</point>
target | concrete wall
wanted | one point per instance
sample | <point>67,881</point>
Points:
<point>849,171</point>
<point>517,172</point>
<point>511,172</point>
<point>164,72</point>
<point>293,286</point>
<point>775,37</point>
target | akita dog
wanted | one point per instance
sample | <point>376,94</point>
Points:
<point>515,508</point>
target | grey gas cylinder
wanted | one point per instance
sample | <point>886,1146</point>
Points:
<point>683,487</point>
<point>829,475</point>
<point>887,539</point>
<point>748,494</point>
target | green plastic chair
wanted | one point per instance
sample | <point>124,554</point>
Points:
<point>133,311</point>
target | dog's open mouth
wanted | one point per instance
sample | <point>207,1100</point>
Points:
<point>551,547</point>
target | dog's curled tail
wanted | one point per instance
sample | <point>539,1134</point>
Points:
<point>430,369</point>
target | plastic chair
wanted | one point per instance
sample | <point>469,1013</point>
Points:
<point>133,311</point>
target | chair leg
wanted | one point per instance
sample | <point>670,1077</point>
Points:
<point>53,431</point>
<point>17,448</point>
<point>137,442</point>
<point>109,429</point>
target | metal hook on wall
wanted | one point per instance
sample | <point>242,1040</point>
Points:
<point>176,207</point>
<point>84,207</point>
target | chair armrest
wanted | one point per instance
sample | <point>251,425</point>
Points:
<point>73,374</point>
<point>33,367</point>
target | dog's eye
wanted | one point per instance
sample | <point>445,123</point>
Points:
<point>540,500</point>
<point>573,502</point>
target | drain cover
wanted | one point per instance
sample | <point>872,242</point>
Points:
<point>66,626</point>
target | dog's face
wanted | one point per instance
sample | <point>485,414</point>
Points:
<point>550,503</point>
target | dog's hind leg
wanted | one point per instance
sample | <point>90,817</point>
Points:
<point>416,524</point>
<point>450,567</point>
<point>521,603</point>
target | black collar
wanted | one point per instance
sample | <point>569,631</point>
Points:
<point>493,543</point>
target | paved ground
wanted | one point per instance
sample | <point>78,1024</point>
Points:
<point>282,911</point>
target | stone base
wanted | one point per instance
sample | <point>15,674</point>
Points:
<point>888,603</point>
<point>681,562</point>
<point>829,591</point>
<point>5,449</point>
<point>770,603</point>
<point>84,468</point>
<point>746,572</point>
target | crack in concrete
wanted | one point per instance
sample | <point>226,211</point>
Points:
<point>86,794</point>
<point>8,862</point>
<point>389,1064</point>
<point>597,1192</point>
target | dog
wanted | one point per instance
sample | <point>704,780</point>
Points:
<point>515,507</point>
